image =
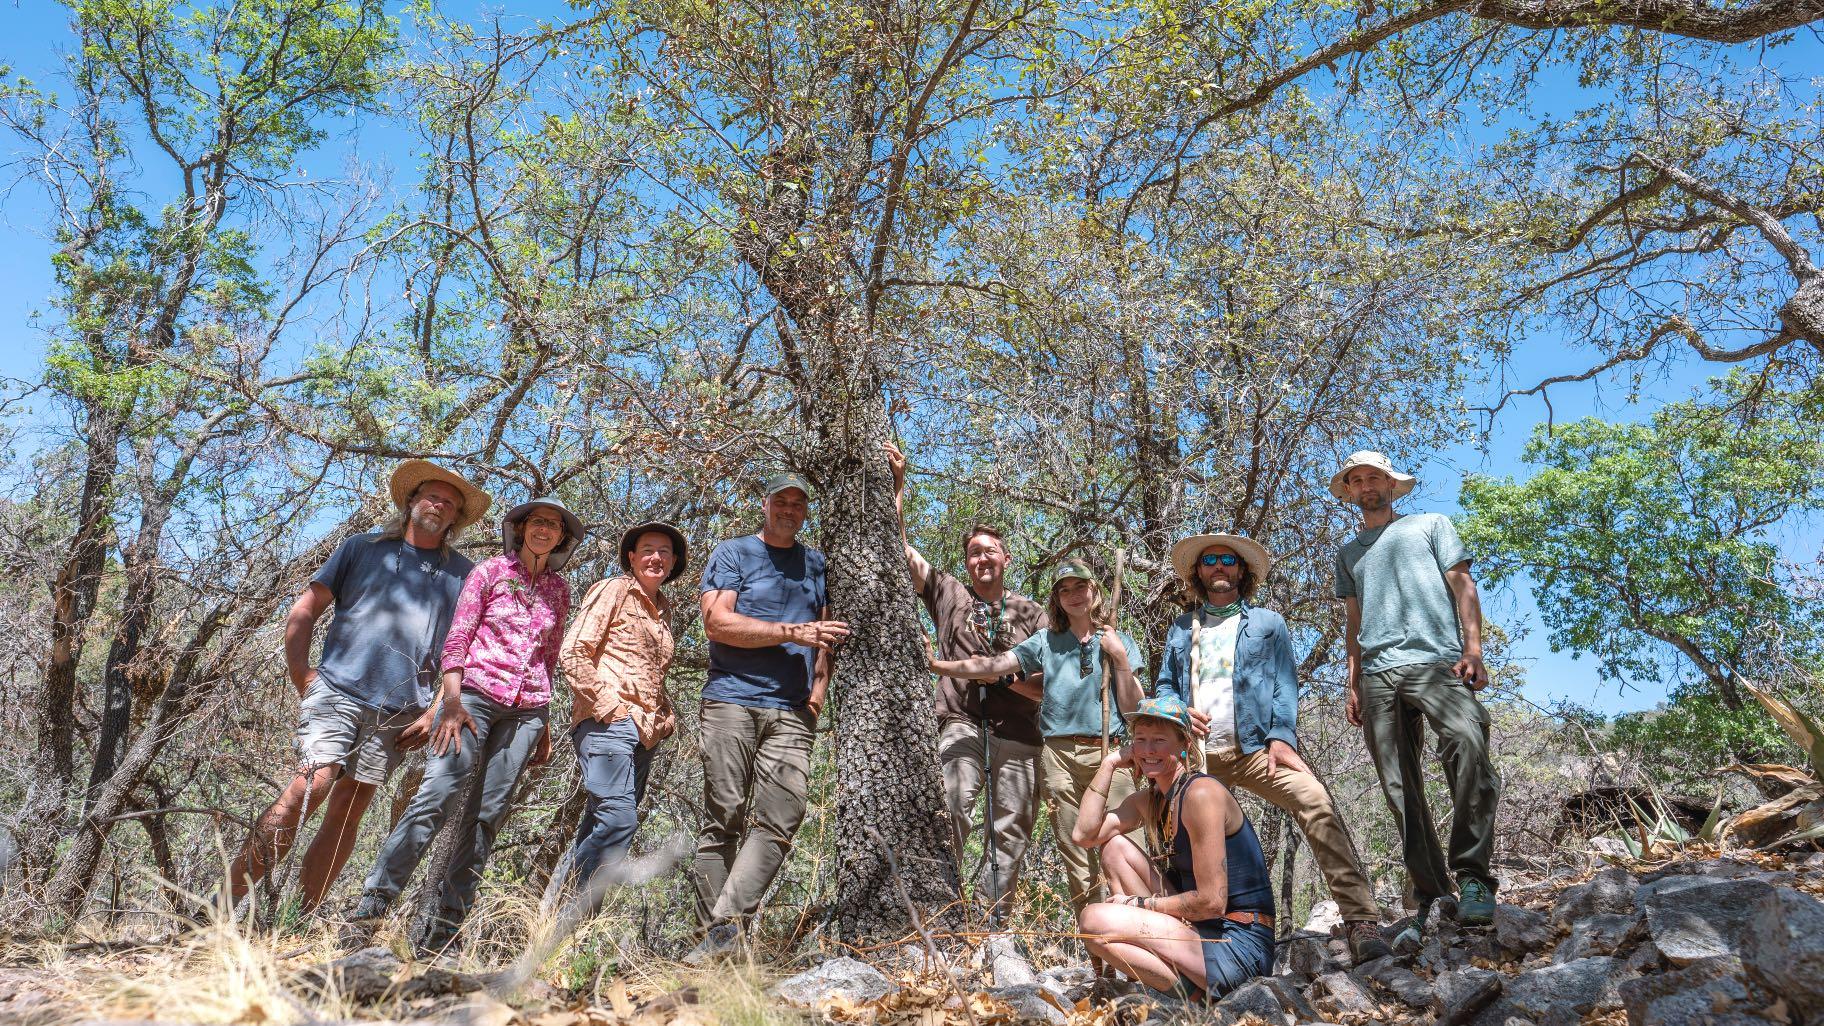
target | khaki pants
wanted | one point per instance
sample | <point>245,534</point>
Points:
<point>756,768</point>
<point>1305,798</point>
<point>1066,768</point>
<point>1397,703</point>
<point>1015,766</point>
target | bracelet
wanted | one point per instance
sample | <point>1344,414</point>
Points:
<point>1103,792</point>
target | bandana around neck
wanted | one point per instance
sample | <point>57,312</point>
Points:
<point>1222,612</point>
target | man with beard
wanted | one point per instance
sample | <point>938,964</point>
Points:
<point>989,731</point>
<point>765,612</point>
<point>1231,663</point>
<point>368,700</point>
<point>1414,638</point>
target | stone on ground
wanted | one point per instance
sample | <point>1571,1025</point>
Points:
<point>847,978</point>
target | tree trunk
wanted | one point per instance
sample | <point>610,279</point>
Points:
<point>886,735</point>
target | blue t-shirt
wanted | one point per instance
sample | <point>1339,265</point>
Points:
<point>777,585</point>
<point>392,610</point>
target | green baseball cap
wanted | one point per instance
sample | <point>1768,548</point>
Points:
<point>786,479</point>
<point>1069,569</point>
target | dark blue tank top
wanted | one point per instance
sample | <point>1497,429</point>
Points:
<point>1250,888</point>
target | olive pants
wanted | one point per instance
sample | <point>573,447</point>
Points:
<point>1066,768</point>
<point>1397,703</point>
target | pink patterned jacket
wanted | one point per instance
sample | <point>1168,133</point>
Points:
<point>507,630</point>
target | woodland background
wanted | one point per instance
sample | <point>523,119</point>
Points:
<point>1111,271</point>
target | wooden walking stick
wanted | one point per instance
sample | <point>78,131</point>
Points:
<point>1114,616</point>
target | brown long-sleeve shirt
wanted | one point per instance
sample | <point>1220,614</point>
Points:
<point>615,656</point>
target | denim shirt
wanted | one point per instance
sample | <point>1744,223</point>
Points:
<point>1266,679</point>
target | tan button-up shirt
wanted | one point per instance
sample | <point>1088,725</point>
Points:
<point>615,655</point>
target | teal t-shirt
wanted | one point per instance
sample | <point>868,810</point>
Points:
<point>1397,571</point>
<point>1073,702</point>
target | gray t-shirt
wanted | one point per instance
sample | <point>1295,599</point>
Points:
<point>393,608</point>
<point>1397,571</point>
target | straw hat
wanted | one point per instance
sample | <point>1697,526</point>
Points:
<point>1402,483</point>
<point>1186,551</point>
<point>411,475</point>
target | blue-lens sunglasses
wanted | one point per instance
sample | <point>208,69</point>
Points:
<point>1213,558</point>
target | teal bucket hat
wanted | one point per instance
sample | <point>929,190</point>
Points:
<point>1165,707</point>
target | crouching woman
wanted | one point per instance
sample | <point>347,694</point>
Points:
<point>1196,918</point>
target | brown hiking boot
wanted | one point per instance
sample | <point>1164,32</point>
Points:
<point>1365,941</point>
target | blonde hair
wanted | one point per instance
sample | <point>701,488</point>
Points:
<point>1060,620</point>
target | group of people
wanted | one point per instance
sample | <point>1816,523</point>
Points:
<point>1035,703</point>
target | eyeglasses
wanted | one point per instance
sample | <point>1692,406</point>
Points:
<point>545,522</point>
<point>1223,558</point>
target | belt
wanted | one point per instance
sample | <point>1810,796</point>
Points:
<point>1249,918</point>
<point>1085,739</point>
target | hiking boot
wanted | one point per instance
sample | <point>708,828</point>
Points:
<point>1409,933</point>
<point>721,941</point>
<point>1475,903</point>
<point>373,905</point>
<point>1365,941</point>
<point>439,936</point>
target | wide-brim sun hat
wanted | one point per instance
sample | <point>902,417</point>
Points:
<point>573,529</point>
<point>1165,707</point>
<point>411,475</point>
<point>1186,550</point>
<point>631,537</point>
<point>1402,483</point>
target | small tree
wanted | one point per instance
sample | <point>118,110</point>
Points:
<point>1653,546</point>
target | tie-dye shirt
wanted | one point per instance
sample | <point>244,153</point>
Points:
<point>507,631</point>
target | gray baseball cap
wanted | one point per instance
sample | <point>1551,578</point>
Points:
<point>786,479</point>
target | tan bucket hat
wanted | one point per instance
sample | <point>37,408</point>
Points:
<point>410,475</point>
<point>1186,551</point>
<point>1402,483</point>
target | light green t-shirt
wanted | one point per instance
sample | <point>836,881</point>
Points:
<point>1397,571</point>
<point>1073,702</point>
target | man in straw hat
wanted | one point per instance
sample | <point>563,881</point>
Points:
<point>988,735</point>
<point>367,701</point>
<point>1414,638</point>
<point>1231,663</point>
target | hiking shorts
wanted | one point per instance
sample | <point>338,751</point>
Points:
<point>336,730</point>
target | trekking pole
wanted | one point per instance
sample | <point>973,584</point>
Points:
<point>994,870</point>
<point>1114,617</point>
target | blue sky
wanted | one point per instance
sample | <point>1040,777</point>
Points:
<point>35,30</point>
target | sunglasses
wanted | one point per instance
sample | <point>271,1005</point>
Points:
<point>1218,558</point>
<point>1083,667</point>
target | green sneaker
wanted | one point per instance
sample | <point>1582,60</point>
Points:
<point>1475,903</point>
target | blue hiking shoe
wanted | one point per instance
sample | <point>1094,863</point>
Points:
<point>1475,903</point>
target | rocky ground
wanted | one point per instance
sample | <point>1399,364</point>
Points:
<point>1708,939</point>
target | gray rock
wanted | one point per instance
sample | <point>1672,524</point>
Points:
<point>1325,918</point>
<point>1555,994</point>
<point>1071,983</point>
<point>1611,890</point>
<point>1401,982</point>
<point>1304,955</point>
<point>1257,998</point>
<point>1342,995</point>
<point>1291,998</point>
<point>364,977</point>
<point>1712,869</point>
<point>1013,971</point>
<point>1030,1003</point>
<point>1785,949</point>
<point>847,977</point>
<point>1522,930</point>
<point>1464,992</point>
<point>1686,995</point>
<point>1597,935</point>
<point>1691,918</point>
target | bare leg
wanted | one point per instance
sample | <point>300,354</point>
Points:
<point>329,850</point>
<point>1148,946</point>
<point>277,828</point>
<point>1128,869</point>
